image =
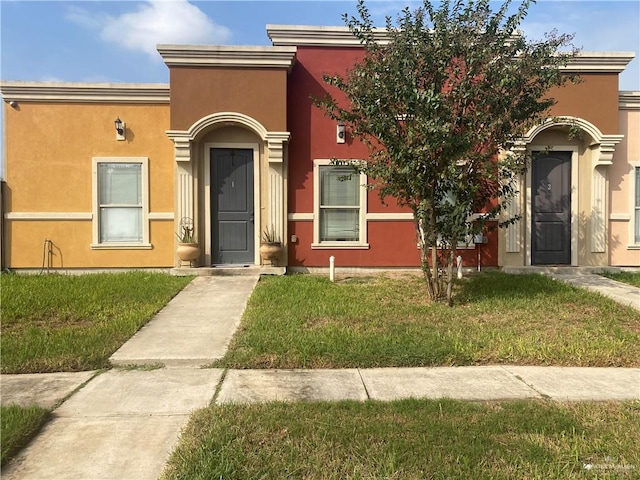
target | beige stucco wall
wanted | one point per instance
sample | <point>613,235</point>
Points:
<point>623,252</point>
<point>49,149</point>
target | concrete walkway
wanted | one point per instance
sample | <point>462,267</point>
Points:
<point>618,291</point>
<point>124,423</point>
<point>194,328</point>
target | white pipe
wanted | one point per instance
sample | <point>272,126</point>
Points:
<point>332,268</point>
<point>459,262</point>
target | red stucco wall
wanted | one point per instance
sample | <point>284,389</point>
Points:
<point>313,136</point>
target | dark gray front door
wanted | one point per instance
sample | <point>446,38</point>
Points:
<point>551,209</point>
<point>232,215</point>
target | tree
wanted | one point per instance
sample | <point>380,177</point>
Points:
<point>438,102</point>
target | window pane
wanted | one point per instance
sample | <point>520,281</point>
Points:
<point>120,183</point>
<point>335,191</point>
<point>121,224</point>
<point>339,225</point>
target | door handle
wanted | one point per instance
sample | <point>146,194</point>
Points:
<point>251,218</point>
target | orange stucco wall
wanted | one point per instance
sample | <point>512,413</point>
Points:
<point>258,93</point>
<point>49,170</point>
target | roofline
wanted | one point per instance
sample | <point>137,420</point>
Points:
<point>336,36</point>
<point>149,93</point>
<point>629,100</point>
<point>228,56</point>
<point>602,62</point>
<point>318,36</point>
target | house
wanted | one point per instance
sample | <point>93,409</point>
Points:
<point>235,144</point>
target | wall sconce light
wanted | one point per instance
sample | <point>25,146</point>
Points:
<point>341,133</point>
<point>120,129</point>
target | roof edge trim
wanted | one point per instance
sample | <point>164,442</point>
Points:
<point>341,36</point>
<point>85,92</point>
<point>629,100</point>
<point>228,56</point>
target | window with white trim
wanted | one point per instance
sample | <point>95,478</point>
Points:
<point>120,203</point>
<point>340,198</point>
<point>636,224</point>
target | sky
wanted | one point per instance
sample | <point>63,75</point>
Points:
<point>115,41</point>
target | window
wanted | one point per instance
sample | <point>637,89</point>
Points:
<point>340,204</point>
<point>120,203</point>
<point>637,206</point>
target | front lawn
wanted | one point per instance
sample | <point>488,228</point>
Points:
<point>19,425</point>
<point>411,439</point>
<point>54,323</point>
<point>632,278</point>
<point>304,321</point>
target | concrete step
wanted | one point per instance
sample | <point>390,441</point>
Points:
<point>549,270</point>
<point>229,271</point>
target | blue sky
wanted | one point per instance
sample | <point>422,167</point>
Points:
<point>114,41</point>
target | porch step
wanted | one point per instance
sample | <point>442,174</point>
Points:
<point>560,270</point>
<point>229,271</point>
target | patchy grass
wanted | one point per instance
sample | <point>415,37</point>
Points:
<point>411,439</point>
<point>632,278</point>
<point>19,426</point>
<point>56,323</point>
<point>307,322</point>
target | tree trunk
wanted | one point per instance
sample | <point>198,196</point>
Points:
<point>424,258</point>
<point>434,257</point>
<point>452,253</point>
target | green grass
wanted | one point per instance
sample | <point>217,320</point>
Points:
<point>632,278</point>
<point>18,426</point>
<point>70,323</point>
<point>410,439</point>
<point>307,322</point>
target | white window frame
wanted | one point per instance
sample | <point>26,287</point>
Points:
<point>317,244</point>
<point>144,244</point>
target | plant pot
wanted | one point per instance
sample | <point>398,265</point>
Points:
<point>271,251</point>
<point>188,252</point>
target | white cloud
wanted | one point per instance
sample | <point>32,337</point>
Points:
<point>155,21</point>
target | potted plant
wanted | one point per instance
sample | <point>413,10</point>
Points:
<point>270,246</point>
<point>188,248</point>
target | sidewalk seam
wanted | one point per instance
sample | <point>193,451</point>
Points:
<point>542,396</point>
<point>216,392</point>
<point>364,385</point>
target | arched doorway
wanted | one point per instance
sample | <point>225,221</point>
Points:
<point>562,199</point>
<point>230,180</point>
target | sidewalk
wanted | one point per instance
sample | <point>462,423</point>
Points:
<point>125,423</point>
<point>481,383</point>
